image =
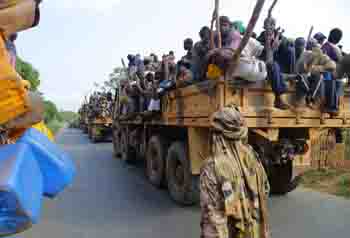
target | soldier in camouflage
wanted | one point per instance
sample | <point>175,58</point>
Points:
<point>233,184</point>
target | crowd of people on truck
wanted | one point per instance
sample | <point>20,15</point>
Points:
<point>313,65</point>
<point>100,105</point>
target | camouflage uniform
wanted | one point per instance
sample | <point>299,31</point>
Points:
<point>233,185</point>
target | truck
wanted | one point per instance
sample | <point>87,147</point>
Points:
<point>83,118</point>
<point>100,120</point>
<point>176,143</point>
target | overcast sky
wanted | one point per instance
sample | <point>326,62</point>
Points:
<point>79,42</point>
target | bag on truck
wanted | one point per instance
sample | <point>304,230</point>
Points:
<point>18,15</point>
<point>56,165</point>
<point>21,189</point>
<point>33,115</point>
<point>14,100</point>
<point>251,69</point>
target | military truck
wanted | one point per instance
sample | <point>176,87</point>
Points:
<point>83,118</point>
<point>100,118</point>
<point>176,142</point>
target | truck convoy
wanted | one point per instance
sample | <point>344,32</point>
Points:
<point>96,117</point>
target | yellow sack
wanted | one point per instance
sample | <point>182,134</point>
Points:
<point>33,115</point>
<point>14,100</point>
<point>214,72</point>
<point>45,130</point>
<point>17,15</point>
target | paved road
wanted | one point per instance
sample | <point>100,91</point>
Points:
<point>110,199</point>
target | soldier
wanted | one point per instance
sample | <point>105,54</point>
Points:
<point>200,50</point>
<point>230,37</point>
<point>272,38</point>
<point>188,46</point>
<point>233,184</point>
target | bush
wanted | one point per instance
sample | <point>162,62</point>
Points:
<point>54,126</point>
<point>344,186</point>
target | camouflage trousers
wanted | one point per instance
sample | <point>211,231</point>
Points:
<point>214,221</point>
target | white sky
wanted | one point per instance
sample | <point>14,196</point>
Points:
<point>79,42</point>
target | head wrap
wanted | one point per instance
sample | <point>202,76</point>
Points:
<point>239,26</point>
<point>225,19</point>
<point>300,42</point>
<point>320,37</point>
<point>230,123</point>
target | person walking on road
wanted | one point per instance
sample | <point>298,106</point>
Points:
<point>233,184</point>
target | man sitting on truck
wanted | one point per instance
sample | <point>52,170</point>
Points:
<point>188,46</point>
<point>200,50</point>
<point>230,38</point>
<point>278,83</point>
<point>313,67</point>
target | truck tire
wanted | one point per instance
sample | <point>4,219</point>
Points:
<point>182,185</point>
<point>89,132</point>
<point>94,137</point>
<point>116,142</point>
<point>128,154</point>
<point>155,161</point>
<point>281,179</point>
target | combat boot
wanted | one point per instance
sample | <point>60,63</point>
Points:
<point>299,101</point>
<point>281,102</point>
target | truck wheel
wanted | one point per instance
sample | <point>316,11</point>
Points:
<point>128,155</point>
<point>281,179</point>
<point>90,132</point>
<point>182,185</point>
<point>94,138</point>
<point>116,142</point>
<point>155,161</point>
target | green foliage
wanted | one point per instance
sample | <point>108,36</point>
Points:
<point>346,135</point>
<point>54,126</point>
<point>333,181</point>
<point>28,72</point>
<point>115,77</point>
<point>52,117</point>
<point>344,186</point>
<point>69,116</point>
<point>51,113</point>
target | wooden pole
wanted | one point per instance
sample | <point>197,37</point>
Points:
<point>217,6</point>
<point>215,19</point>
<point>212,44</point>
<point>272,7</point>
<point>269,26</point>
<point>250,29</point>
<point>309,36</point>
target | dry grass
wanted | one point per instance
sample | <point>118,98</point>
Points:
<point>336,182</point>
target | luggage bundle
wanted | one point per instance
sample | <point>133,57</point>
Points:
<point>32,168</point>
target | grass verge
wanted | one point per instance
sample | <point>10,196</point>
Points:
<point>55,126</point>
<point>336,182</point>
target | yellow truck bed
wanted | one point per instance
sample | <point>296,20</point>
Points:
<point>193,106</point>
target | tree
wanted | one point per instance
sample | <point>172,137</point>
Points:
<point>69,116</point>
<point>51,113</point>
<point>28,72</point>
<point>115,78</point>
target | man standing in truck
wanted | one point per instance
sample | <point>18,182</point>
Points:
<point>233,184</point>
